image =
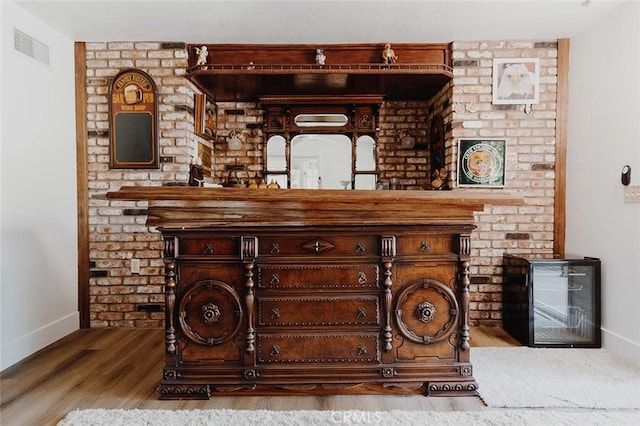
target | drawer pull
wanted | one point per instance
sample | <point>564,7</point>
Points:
<point>275,350</point>
<point>362,278</point>
<point>275,279</point>
<point>361,350</point>
<point>360,248</point>
<point>208,248</point>
<point>425,246</point>
<point>362,313</point>
<point>275,313</point>
<point>275,248</point>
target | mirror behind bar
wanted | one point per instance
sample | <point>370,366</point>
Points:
<point>322,161</point>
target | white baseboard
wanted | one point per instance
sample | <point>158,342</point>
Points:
<point>18,349</point>
<point>620,345</point>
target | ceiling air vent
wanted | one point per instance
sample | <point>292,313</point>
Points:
<point>31,47</point>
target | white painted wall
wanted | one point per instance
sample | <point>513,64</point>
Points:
<point>38,210</point>
<point>604,135</point>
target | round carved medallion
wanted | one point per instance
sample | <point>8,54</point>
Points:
<point>426,311</point>
<point>210,312</point>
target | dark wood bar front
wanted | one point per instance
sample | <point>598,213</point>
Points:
<point>273,291</point>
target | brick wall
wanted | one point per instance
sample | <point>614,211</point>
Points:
<point>529,165</point>
<point>117,230</point>
<point>118,233</point>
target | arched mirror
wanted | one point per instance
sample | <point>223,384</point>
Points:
<point>276,154</point>
<point>276,161</point>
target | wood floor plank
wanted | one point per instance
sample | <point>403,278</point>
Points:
<point>121,368</point>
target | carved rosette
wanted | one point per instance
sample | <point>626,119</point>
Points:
<point>210,313</point>
<point>388,372</point>
<point>426,312</point>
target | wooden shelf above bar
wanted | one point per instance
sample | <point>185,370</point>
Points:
<point>247,72</point>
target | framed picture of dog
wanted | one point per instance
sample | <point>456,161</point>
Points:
<point>516,81</point>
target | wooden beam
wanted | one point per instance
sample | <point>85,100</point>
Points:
<point>82,182</point>
<point>562,106</point>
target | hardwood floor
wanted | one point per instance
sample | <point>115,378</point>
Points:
<point>91,369</point>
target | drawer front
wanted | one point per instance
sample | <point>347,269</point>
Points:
<point>208,246</point>
<point>426,244</point>
<point>319,348</point>
<point>318,276</point>
<point>291,245</point>
<point>318,311</point>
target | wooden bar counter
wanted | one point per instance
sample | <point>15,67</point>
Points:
<point>274,291</point>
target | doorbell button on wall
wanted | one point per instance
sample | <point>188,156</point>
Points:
<point>626,175</point>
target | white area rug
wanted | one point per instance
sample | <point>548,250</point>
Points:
<point>519,377</point>
<point>492,417</point>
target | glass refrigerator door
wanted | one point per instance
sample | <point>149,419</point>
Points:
<point>563,304</point>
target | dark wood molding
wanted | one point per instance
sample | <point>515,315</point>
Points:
<point>245,72</point>
<point>82,182</point>
<point>562,106</point>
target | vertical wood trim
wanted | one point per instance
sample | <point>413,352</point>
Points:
<point>562,106</point>
<point>82,182</point>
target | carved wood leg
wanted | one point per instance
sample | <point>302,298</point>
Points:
<point>464,306</point>
<point>248,254</point>
<point>388,250</point>
<point>387,306</point>
<point>249,303</point>
<point>464,251</point>
<point>170,294</point>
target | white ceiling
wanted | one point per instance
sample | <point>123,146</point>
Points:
<point>319,22</point>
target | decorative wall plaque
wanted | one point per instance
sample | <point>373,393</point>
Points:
<point>481,162</point>
<point>133,120</point>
